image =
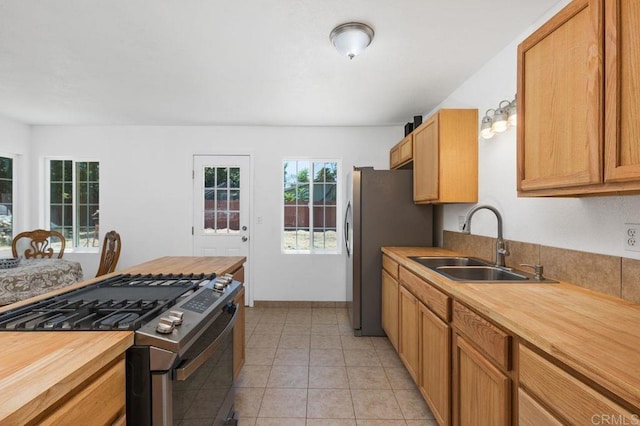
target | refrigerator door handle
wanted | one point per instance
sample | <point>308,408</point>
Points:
<point>346,228</point>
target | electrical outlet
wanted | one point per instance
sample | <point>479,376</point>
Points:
<point>460,223</point>
<point>632,236</point>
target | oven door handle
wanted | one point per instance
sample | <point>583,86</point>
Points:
<point>185,371</point>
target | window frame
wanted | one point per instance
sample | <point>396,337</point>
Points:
<point>15,163</point>
<point>70,245</point>
<point>339,208</point>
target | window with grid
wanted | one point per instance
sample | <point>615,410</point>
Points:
<point>222,200</point>
<point>310,206</point>
<point>6,202</point>
<point>74,201</point>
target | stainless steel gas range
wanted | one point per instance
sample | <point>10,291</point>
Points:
<point>181,366</point>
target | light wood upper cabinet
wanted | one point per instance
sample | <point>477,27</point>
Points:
<point>445,158</point>
<point>402,153</point>
<point>579,102</point>
<point>622,101</point>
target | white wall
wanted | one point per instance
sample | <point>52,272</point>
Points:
<point>14,141</point>
<point>146,191</point>
<point>592,224</point>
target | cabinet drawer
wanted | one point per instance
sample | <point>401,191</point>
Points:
<point>493,341</point>
<point>530,413</point>
<point>100,402</point>
<point>571,399</point>
<point>436,300</point>
<point>390,266</point>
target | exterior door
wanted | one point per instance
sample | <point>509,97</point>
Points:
<point>221,195</point>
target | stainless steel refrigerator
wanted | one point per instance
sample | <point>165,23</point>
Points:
<point>380,212</point>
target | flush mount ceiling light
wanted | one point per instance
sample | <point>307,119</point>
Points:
<point>352,38</point>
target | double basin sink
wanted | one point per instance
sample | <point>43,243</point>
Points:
<point>473,270</point>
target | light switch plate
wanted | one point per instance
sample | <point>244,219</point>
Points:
<point>632,236</point>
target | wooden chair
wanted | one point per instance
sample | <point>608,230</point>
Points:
<point>39,245</point>
<point>110,253</point>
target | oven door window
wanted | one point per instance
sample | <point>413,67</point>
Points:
<point>206,393</point>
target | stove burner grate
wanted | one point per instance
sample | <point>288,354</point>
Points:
<point>123,302</point>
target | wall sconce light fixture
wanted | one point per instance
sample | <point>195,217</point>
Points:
<point>498,120</point>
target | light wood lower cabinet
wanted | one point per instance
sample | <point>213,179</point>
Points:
<point>531,413</point>
<point>390,305</point>
<point>569,398</point>
<point>239,335</point>
<point>482,393</point>
<point>99,402</point>
<point>435,364</point>
<point>409,343</point>
<point>472,371</point>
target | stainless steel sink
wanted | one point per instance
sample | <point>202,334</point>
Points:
<point>474,270</point>
<point>435,262</point>
<point>480,273</point>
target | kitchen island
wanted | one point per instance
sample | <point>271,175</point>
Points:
<point>552,352</point>
<point>46,376</point>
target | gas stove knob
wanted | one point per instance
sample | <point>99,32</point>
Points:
<point>165,325</point>
<point>176,317</point>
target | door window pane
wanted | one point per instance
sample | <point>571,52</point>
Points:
<point>221,204</point>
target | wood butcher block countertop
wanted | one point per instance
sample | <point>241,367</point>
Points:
<point>595,334</point>
<point>37,369</point>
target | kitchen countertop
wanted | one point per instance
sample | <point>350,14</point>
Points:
<point>38,368</point>
<point>595,334</point>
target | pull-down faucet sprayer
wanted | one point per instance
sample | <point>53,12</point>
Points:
<point>501,244</point>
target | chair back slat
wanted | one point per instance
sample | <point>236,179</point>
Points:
<point>39,244</point>
<point>110,253</point>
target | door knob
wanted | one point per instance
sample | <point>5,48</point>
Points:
<point>244,239</point>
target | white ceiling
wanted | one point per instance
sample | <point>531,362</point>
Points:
<point>255,62</point>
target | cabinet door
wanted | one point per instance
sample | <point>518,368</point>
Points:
<point>530,413</point>
<point>435,364</point>
<point>102,401</point>
<point>408,342</point>
<point>622,146</point>
<point>390,294</point>
<point>239,335</point>
<point>560,99</point>
<point>425,161</point>
<point>482,392</point>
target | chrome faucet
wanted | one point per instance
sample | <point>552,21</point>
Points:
<point>501,244</point>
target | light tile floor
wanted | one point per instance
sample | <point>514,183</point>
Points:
<point>305,367</point>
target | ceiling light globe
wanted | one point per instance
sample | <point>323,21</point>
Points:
<point>486,132</point>
<point>512,110</point>
<point>499,121</point>
<point>352,38</point>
